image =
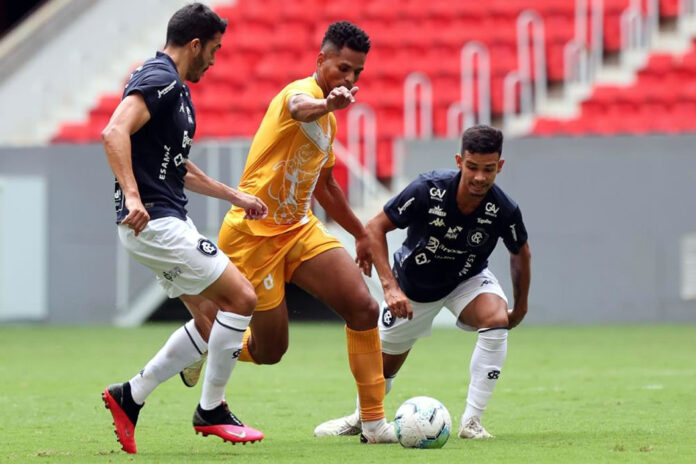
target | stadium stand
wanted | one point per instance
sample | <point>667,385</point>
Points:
<point>271,42</point>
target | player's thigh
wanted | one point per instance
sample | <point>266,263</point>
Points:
<point>232,292</point>
<point>479,302</point>
<point>334,278</point>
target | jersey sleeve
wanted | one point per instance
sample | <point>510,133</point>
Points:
<point>407,207</point>
<point>158,89</point>
<point>515,233</point>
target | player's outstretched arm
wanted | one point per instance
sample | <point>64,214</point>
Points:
<point>130,115</point>
<point>198,181</point>
<point>330,196</point>
<point>377,229</point>
<point>521,273</point>
<point>305,108</point>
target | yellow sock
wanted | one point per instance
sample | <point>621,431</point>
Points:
<point>245,355</point>
<point>365,359</point>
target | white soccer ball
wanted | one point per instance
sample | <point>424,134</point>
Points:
<point>423,422</point>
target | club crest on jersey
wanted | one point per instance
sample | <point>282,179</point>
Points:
<point>388,318</point>
<point>476,237</point>
<point>437,194</point>
<point>207,247</point>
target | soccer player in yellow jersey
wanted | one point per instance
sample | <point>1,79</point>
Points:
<point>291,158</point>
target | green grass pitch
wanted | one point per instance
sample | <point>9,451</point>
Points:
<point>567,394</point>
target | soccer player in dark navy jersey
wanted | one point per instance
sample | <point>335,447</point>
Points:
<point>147,143</point>
<point>454,219</point>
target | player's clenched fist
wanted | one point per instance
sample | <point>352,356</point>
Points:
<point>340,98</point>
<point>138,216</point>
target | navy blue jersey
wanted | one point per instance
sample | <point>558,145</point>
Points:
<point>444,246</point>
<point>160,149</point>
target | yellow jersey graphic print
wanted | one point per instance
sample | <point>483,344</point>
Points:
<point>284,163</point>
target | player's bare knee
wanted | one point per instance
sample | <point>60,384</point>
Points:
<point>243,301</point>
<point>364,314</point>
<point>272,356</point>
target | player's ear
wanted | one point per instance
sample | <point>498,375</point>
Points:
<point>501,161</point>
<point>321,57</point>
<point>196,46</point>
<point>458,159</point>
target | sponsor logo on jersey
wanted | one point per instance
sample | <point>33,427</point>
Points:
<point>476,237</point>
<point>453,232</point>
<point>388,318</point>
<point>432,245</point>
<point>491,209</point>
<point>172,274</point>
<point>437,194</point>
<point>403,208</point>
<point>467,265</point>
<point>186,142</point>
<point>452,251</point>
<point>421,259</point>
<point>513,231</point>
<point>268,282</point>
<point>437,222</point>
<point>166,90</point>
<point>437,211</point>
<point>164,164</point>
<point>484,221</point>
<point>207,247</point>
<point>179,160</point>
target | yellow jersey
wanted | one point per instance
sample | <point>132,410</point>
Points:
<point>284,163</point>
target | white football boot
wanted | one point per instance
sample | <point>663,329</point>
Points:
<point>473,429</point>
<point>385,433</point>
<point>349,425</point>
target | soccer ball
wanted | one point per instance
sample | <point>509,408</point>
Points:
<point>422,422</point>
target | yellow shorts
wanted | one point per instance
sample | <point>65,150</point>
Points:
<point>268,262</point>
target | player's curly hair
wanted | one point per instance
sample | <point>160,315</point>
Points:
<point>345,34</point>
<point>483,140</point>
<point>194,21</point>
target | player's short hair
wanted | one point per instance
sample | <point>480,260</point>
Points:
<point>482,139</point>
<point>345,34</point>
<point>194,21</point>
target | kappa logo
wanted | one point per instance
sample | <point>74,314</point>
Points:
<point>388,318</point>
<point>401,209</point>
<point>484,221</point>
<point>207,247</point>
<point>477,237</point>
<point>432,245</point>
<point>421,259</point>
<point>494,374</point>
<point>486,282</point>
<point>453,232</point>
<point>437,194</point>
<point>492,209</point>
<point>513,231</point>
<point>437,222</point>
<point>166,90</point>
<point>437,211</point>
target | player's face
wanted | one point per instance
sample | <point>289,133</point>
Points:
<point>204,57</point>
<point>339,68</point>
<point>479,171</point>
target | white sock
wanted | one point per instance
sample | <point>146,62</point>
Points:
<point>183,348</point>
<point>486,364</point>
<point>387,389</point>
<point>224,346</point>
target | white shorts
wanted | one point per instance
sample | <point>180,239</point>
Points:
<point>398,335</point>
<point>184,261</point>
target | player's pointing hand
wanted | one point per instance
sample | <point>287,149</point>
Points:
<point>340,98</point>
